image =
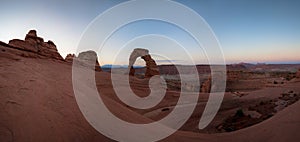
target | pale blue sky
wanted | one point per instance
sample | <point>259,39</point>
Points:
<point>248,30</point>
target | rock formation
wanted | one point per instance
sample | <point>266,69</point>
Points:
<point>89,59</point>
<point>69,58</point>
<point>138,52</point>
<point>298,74</point>
<point>131,71</point>
<point>216,85</point>
<point>35,47</point>
<point>206,86</point>
<point>35,44</point>
<point>151,67</point>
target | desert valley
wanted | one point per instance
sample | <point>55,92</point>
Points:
<point>37,101</point>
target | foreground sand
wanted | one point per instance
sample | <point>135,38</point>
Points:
<point>37,104</point>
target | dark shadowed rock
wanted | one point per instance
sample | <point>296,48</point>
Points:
<point>132,71</point>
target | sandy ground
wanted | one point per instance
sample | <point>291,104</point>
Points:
<point>37,103</point>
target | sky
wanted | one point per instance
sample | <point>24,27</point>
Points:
<point>248,30</point>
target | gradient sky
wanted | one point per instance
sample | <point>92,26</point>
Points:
<point>248,30</point>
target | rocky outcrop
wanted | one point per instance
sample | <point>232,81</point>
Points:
<point>206,86</point>
<point>69,58</point>
<point>216,82</point>
<point>151,67</point>
<point>89,59</point>
<point>35,44</point>
<point>298,74</point>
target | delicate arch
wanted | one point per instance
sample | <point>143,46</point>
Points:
<point>151,67</point>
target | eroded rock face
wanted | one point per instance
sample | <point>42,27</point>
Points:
<point>35,44</point>
<point>206,86</point>
<point>151,67</point>
<point>69,58</point>
<point>89,59</point>
<point>23,45</point>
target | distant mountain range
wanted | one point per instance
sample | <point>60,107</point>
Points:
<point>110,66</point>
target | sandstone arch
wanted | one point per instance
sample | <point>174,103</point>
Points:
<point>151,67</point>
